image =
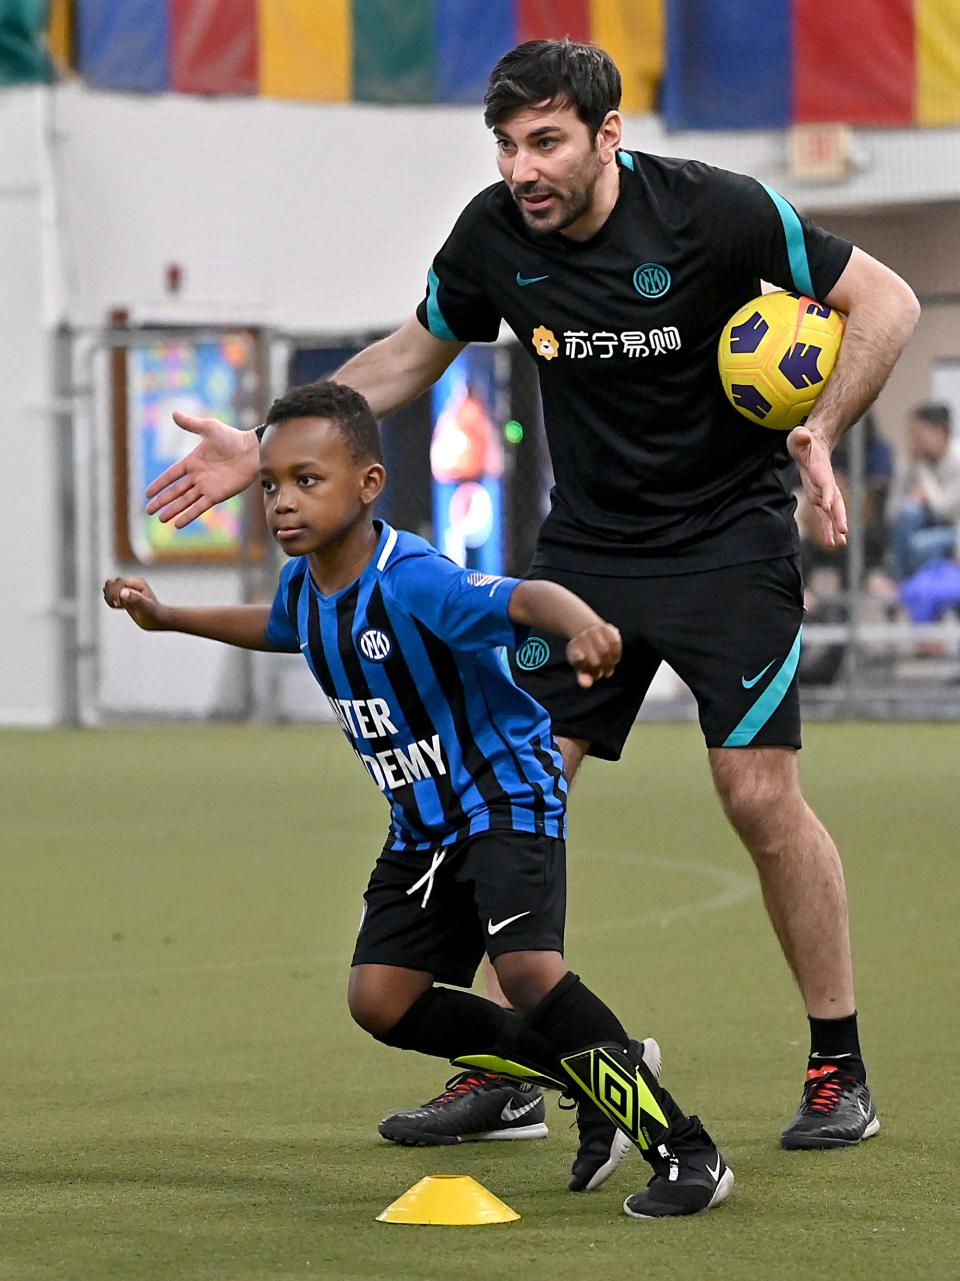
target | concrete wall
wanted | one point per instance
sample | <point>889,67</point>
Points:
<point>30,561</point>
<point>922,243</point>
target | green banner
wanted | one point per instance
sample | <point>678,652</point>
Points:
<point>23,51</point>
<point>393,59</point>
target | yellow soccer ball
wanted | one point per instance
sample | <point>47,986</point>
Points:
<point>775,356</point>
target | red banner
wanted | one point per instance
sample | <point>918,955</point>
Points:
<point>214,46</point>
<point>855,63</point>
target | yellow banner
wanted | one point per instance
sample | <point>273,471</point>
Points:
<point>306,49</point>
<point>938,62</point>
<point>631,31</point>
<point>59,31</point>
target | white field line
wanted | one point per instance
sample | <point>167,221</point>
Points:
<point>729,889</point>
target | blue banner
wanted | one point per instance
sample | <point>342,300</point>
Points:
<point>471,36</point>
<point>728,65</point>
<point>124,44</point>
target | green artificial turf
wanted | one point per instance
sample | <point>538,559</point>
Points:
<point>184,1096</point>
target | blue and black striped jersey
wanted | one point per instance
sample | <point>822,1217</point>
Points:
<point>407,656</point>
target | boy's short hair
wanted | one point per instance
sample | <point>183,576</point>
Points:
<point>563,71</point>
<point>337,403</point>
<point>934,412</point>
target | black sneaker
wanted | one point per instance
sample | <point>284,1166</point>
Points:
<point>474,1107</point>
<point>690,1175</point>
<point>602,1145</point>
<point>836,1111</point>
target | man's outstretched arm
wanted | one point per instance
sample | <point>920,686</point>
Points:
<point>389,373</point>
<point>882,312</point>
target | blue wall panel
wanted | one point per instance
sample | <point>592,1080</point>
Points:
<point>728,64</point>
<point>124,44</point>
<point>471,35</point>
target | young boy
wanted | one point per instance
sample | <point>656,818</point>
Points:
<point>403,643</point>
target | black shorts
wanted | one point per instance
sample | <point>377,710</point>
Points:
<point>500,891</point>
<point>732,634</point>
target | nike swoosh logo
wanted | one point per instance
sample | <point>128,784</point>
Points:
<point>530,280</point>
<point>863,1111</point>
<point>511,1113</point>
<point>750,684</point>
<point>715,1172</point>
<point>495,929</point>
<point>828,1058</point>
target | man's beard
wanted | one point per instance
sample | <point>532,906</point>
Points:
<point>572,207</point>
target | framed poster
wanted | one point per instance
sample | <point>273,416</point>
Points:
<point>213,376</point>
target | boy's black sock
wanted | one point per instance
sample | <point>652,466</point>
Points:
<point>449,1024</point>
<point>571,1017</point>
<point>837,1041</point>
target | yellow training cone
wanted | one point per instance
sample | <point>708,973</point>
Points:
<point>448,1198</point>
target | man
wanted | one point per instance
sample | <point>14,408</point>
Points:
<point>669,515</point>
<point>925,500</point>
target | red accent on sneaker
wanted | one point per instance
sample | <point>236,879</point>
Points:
<point>824,1097</point>
<point>464,1085</point>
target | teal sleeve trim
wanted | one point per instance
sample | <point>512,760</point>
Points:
<point>435,321</point>
<point>769,700</point>
<point>796,246</point>
<point>626,160</point>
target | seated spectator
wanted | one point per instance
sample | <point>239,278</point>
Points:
<point>924,501</point>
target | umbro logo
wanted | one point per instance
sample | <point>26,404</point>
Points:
<point>512,1113</point>
<point>530,280</point>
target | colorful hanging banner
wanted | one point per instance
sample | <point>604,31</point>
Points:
<point>856,65</point>
<point>214,46</point>
<point>729,64</point>
<point>306,50</point>
<point>124,44</point>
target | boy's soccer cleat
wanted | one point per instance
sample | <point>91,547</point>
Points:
<point>474,1107</point>
<point>602,1145</point>
<point>836,1111</point>
<point>690,1175</point>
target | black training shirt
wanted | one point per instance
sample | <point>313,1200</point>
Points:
<point>655,472</point>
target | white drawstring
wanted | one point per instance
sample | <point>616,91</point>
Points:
<point>427,878</point>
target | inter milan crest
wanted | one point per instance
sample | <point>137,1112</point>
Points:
<point>533,653</point>
<point>374,645</point>
<point>650,280</point>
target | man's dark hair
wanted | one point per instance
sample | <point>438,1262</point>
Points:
<point>934,412</point>
<point>338,403</point>
<point>579,75</point>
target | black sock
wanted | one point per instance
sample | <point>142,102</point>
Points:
<point>837,1041</point>
<point>571,1017</point>
<point>449,1024</point>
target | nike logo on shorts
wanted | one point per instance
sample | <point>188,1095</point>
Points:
<point>750,684</point>
<point>495,929</point>
<point>530,280</point>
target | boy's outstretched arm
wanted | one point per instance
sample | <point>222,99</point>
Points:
<point>241,625</point>
<point>593,647</point>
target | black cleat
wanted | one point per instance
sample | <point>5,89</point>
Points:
<point>690,1175</point>
<point>836,1111</point>
<point>474,1107</point>
<point>602,1145</point>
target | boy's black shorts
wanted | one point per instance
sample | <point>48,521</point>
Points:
<point>496,892</point>
<point>732,634</point>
